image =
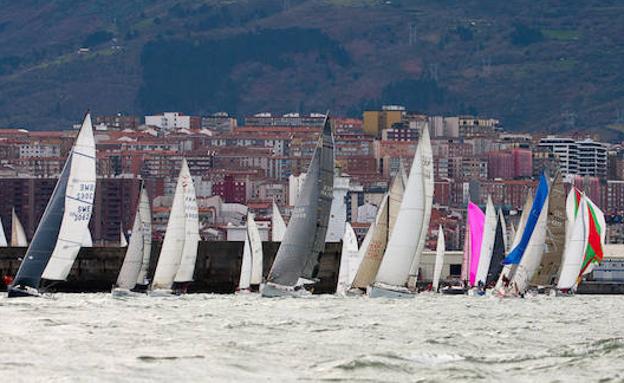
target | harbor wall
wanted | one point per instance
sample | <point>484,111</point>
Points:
<point>217,269</point>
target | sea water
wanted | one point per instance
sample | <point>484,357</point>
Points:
<point>202,337</point>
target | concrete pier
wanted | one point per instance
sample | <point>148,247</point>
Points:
<point>217,269</point>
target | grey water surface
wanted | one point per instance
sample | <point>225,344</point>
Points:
<point>202,337</point>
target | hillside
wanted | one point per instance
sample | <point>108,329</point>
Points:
<point>535,65</point>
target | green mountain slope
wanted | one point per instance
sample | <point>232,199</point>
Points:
<point>536,65</point>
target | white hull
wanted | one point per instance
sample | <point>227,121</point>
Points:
<point>273,290</point>
<point>162,293</point>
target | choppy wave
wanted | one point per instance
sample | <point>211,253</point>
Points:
<point>245,338</point>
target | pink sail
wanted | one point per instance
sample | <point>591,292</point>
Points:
<point>476,220</point>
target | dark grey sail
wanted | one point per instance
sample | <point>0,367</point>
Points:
<point>498,254</point>
<point>304,240</point>
<point>44,240</point>
<point>555,236</point>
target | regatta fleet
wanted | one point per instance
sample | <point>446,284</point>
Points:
<point>557,240</point>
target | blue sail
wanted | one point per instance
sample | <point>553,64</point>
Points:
<point>515,255</point>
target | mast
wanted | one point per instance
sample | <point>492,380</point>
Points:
<point>304,240</point>
<point>191,226</point>
<point>65,219</point>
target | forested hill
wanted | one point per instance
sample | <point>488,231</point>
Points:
<point>536,65</point>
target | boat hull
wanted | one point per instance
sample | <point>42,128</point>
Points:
<point>273,290</point>
<point>162,293</point>
<point>22,292</point>
<point>453,291</point>
<point>118,292</point>
<point>376,291</point>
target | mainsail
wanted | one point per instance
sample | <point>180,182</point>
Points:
<point>427,177</point>
<point>349,260</point>
<point>173,243</point>
<point>487,243</point>
<point>244,281</point>
<point>64,220</point>
<point>404,239</point>
<point>498,252</point>
<point>596,235</point>
<point>555,240</point>
<point>128,275</point>
<point>18,235</point>
<point>78,205</point>
<point>146,235</point>
<point>439,261</point>
<point>304,240</point>
<point>278,227</point>
<point>378,233</point>
<point>191,226</point>
<point>255,243</point>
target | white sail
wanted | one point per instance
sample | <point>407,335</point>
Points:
<point>439,261</point>
<point>3,240</point>
<point>146,228</point>
<point>516,237</point>
<point>173,243</point>
<point>244,281</point>
<point>349,259</point>
<point>78,205</point>
<point>278,226</point>
<point>533,254</point>
<point>87,240</point>
<point>487,243</point>
<point>133,260</point>
<point>512,236</point>
<point>576,243</point>
<point>191,239</point>
<point>253,235</point>
<point>501,217</point>
<point>18,235</point>
<point>404,239</point>
<point>428,185</point>
<point>123,242</point>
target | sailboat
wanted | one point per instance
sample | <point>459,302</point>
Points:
<point>401,253</point>
<point>498,251</point>
<point>244,281</point>
<point>439,261</point>
<point>596,236</point>
<point>60,232</point>
<point>255,243</point>
<point>506,273</point>
<point>487,244</point>
<point>376,240</point>
<point>278,227</point>
<point>576,243</point>
<point>146,235</point>
<point>349,260</point>
<point>528,253</point>
<point>18,235</point>
<point>133,261</point>
<point>297,259</point>
<point>3,239</point>
<point>428,185</point>
<point>179,247</point>
<point>546,274</point>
